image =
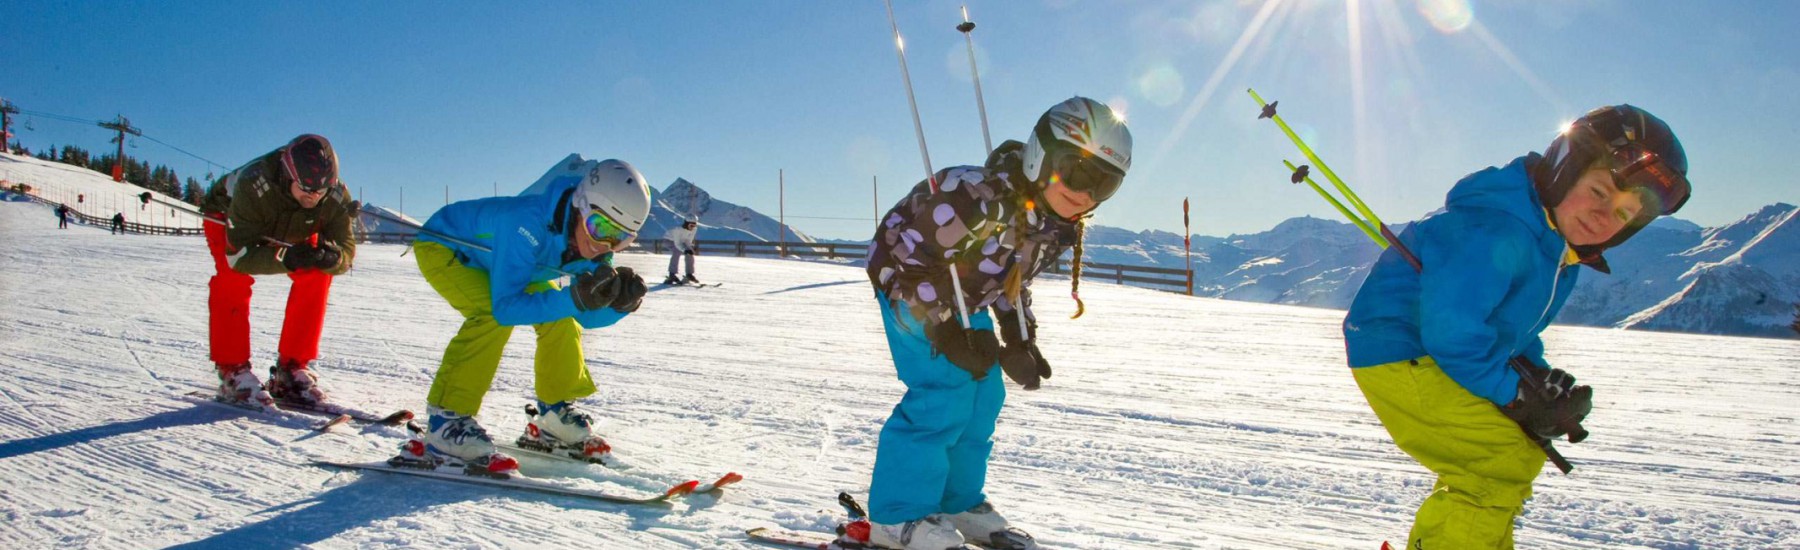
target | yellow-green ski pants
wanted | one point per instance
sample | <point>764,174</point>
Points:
<point>474,354</point>
<point>1484,462</point>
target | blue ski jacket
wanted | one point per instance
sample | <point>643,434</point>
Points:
<point>1495,274</point>
<point>523,235</point>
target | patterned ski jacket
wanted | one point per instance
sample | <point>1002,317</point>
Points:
<point>979,223</point>
<point>523,236</point>
<point>256,200</point>
<point>1495,274</point>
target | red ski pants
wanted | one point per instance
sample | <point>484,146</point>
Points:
<point>228,305</point>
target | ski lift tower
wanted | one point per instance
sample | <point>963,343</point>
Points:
<point>7,109</point>
<point>123,126</point>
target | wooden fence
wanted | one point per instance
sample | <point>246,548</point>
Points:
<point>106,222</point>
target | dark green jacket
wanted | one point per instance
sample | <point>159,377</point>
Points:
<point>256,198</point>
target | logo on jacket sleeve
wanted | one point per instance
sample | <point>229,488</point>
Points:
<point>529,236</point>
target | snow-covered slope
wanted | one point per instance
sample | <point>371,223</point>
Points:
<point>94,193</point>
<point>386,221</point>
<point>1172,422</point>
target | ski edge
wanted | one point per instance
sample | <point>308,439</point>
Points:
<point>521,483</point>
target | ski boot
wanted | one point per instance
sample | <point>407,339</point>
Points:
<point>933,532</point>
<point>456,442</point>
<point>691,280</point>
<point>238,384</point>
<point>291,382</point>
<point>984,527</point>
<point>562,429</point>
<point>672,280</point>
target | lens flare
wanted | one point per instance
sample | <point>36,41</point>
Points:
<point>1161,85</point>
<point>1447,16</point>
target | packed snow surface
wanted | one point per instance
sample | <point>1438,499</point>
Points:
<point>1171,422</point>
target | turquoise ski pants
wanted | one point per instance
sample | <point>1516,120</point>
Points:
<point>934,449</point>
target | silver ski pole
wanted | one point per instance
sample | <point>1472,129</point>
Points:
<point>966,28</point>
<point>962,309</point>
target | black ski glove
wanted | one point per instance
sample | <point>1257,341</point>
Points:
<point>1555,410</point>
<point>596,289</point>
<point>973,350</point>
<point>306,256</point>
<point>631,290</point>
<point>1020,359</point>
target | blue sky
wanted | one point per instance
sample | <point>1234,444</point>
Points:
<point>419,97</point>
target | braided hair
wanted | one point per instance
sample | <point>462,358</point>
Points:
<point>1075,269</point>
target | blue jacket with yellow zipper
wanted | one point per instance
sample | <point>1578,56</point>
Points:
<point>1495,272</point>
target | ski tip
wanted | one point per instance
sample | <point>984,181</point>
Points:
<point>1386,546</point>
<point>340,419</point>
<point>728,479</point>
<point>682,489</point>
<point>399,417</point>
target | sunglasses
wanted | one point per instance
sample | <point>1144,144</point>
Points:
<point>604,229</point>
<point>1084,172</point>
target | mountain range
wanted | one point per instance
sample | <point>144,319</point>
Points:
<point>1741,278</point>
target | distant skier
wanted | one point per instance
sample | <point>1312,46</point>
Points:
<point>118,223</point>
<point>62,216</point>
<point>495,260</point>
<point>998,226</point>
<point>1430,349</point>
<point>681,245</point>
<point>284,212</point>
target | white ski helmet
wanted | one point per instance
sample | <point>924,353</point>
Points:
<point>615,190</point>
<point>1069,137</point>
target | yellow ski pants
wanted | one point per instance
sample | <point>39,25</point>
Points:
<point>1485,464</point>
<point>473,356</point>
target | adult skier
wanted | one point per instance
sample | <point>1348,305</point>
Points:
<point>118,223</point>
<point>1430,348</point>
<point>681,245</point>
<point>62,216</point>
<point>285,212</point>
<point>497,260</point>
<point>998,226</point>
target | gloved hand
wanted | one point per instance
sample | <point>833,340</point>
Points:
<point>1555,410</point>
<point>1020,359</point>
<point>691,252</point>
<point>596,289</point>
<point>973,350</point>
<point>631,290</point>
<point>307,256</point>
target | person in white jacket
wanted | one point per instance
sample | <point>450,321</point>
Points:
<point>681,243</point>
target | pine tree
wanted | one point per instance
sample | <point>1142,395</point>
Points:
<point>192,192</point>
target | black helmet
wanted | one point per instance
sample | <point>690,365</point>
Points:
<point>1640,151</point>
<point>308,159</point>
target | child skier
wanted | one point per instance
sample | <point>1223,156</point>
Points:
<point>496,260</point>
<point>1430,348</point>
<point>998,226</point>
<point>681,244</point>
<point>285,212</point>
